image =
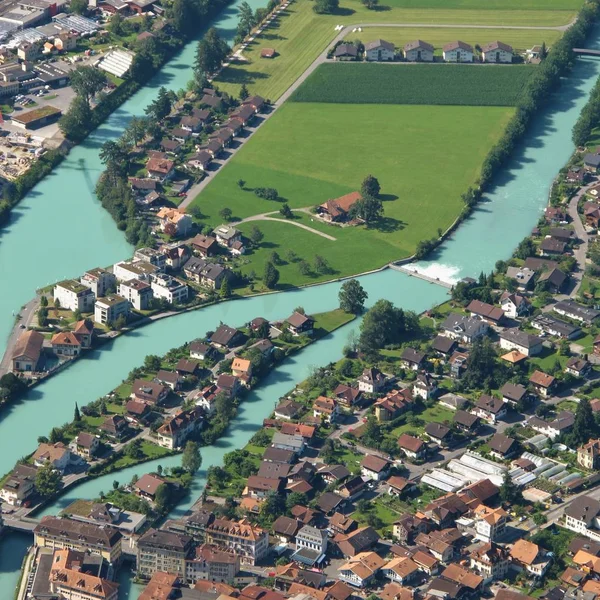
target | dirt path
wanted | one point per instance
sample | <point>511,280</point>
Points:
<point>266,217</point>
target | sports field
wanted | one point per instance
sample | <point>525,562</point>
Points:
<point>300,35</point>
<point>425,157</point>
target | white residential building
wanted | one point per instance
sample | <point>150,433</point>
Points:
<point>134,269</point>
<point>107,310</point>
<point>497,52</point>
<point>73,295</point>
<point>138,292</point>
<point>169,288</point>
<point>100,281</point>
<point>458,52</point>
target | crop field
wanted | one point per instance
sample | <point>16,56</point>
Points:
<point>488,4</point>
<point>299,35</point>
<point>519,39</point>
<point>313,152</point>
<point>472,85</point>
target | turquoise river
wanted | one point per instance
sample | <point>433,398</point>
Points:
<point>46,242</point>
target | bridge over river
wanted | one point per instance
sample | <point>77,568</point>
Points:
<point>586,51</point>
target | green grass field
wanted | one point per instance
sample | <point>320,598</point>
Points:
<point>313,152</point>
<point>300,35</point>
<point>519,39</point>
<point>469,85</point>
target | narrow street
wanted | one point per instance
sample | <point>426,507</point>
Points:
<point>27,314</point>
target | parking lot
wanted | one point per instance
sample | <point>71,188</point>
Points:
<point>60,98</point>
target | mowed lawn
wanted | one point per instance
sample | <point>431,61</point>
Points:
<point>299,35</point>
<point>519,39</point>
<point>425,157</point>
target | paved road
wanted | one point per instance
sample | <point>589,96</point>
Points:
<point>581,252</point>
<point>27,314</point>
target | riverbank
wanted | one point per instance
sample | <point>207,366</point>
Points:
<point>144,429</point>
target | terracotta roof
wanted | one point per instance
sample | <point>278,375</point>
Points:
<point>542,379</point>
<point>340,206</point>
<point>408,442</point>
<point>83,584</point>
<point>456,573</point>
<point>29,345</point>
<point>148,484</point>
<point>524,551</point>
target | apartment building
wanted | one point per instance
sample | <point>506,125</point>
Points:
<point>250,542</point>
<point>160,550</point>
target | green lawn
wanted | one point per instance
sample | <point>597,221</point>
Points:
<point>435,414</point>
<point>331,320</point>
<point>547,360</point>
<point>299,35</point>
<point>519,39</point>
<point>151,451</point>
<point>347,457</point>
<point>313,152</point>
<point>385,514</point>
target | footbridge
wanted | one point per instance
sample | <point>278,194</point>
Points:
<point>586,51</point>
<point>413,272</point>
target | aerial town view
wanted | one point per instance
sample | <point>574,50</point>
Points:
<point>299,299</point>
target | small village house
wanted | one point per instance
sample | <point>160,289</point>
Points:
<point>379,50</point>
<point>338,209</point>
<point>27,352</point>
<point>345,52</point>
<point>418,51</point>
<point>174,222</point>
<point>497,52</point>
<point>458,52</point>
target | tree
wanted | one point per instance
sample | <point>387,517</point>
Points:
<point>191,460</point>
<point>326,6</point>
<point>384,324</point>
<point>526,249</point>
<point>225,292</point>
<point>272,507</point>
<point>117,25</point>
<point>352,297</point>
<point>275,258</point>
<point>241,183</point>
<point>134,449</point>
<point>115,485</point>
<point>42,315</point>
<point>304,267</point>
<point>211,52</point>
<point>161,106</point>
<point>247,21</point>
<point>48,481</point>
<point>44,301</point>
<point>225,213</point>
<point>152,362</point>
<point>368,208</point>
<point>370,187</point>
<point>509,491</point>
<point>270,276</point>
<point>182,16</point>
<point>78,7</point>
<point>543,51</point>
<point>321,265</point>
<point>75,123</point>
<point>136,130</point>
<point>244,93</point>
<point>370,4</point>
<point>256,235</point>
<point>115,157</point>
<point>286,211</point>
<point>56,302</point>
<point>76,414</point>
<point>162,497</point>
<point>584,426</point>
<point>482,369</point>
<point>87,82</point>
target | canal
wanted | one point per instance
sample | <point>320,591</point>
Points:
<point>507,214</point>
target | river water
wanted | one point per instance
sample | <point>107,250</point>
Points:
<point>507,214</point>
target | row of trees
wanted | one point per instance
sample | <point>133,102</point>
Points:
<point>588,119</point>
<point>538,91</point>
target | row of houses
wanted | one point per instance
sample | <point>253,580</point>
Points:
<point>420,51</point>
